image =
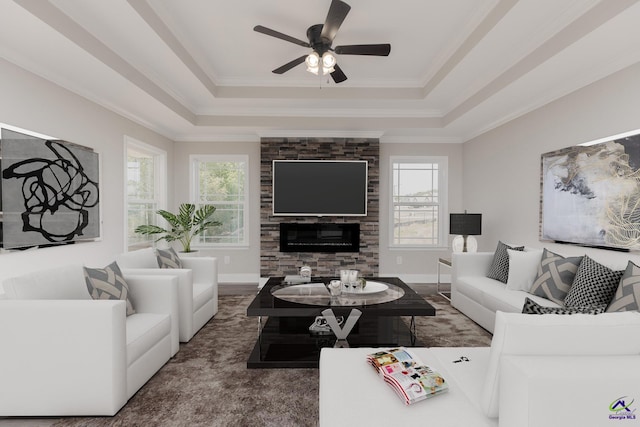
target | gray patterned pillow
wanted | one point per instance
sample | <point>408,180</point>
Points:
<point>532,307</point>
<point>499,269</point>
<point>555,276</point>
<point>594,285</point>
<point>627,297</point>
<point>108,283</point>
<point>168,258</point>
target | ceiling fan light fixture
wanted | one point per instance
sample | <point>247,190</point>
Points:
<point>328,63</point>
<point>313,62</point>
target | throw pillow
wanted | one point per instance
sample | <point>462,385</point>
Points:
<point>555,276</point>
<point>168,258</point>
<point>523,267</point>
<point>499,269</point>
<point>627,296</point>
<point>108,283</point>
<point>593,285</point>
<point>532,307</point>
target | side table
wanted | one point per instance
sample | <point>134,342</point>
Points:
<point>447,263</point>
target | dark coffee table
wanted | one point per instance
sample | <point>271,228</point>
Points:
<point>284,339</point>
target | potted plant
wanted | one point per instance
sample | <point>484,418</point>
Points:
<point>189,222</point>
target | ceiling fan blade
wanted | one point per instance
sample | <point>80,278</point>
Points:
<point>338,75</point>
<point>364,49</point>
<point>289,65</point>
<point>337,13</point>
<point>279,35</point>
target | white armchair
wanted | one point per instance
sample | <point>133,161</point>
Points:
<point>197,286</point>
<point>65,354</point>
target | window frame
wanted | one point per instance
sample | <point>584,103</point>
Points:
<point>194,187</point>
<point>160,184</point>
<point>443,190</point>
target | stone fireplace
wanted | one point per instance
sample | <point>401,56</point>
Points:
<point>330,243</point>
<point>319,237</point>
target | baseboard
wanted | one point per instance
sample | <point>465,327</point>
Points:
<point>242,278</point>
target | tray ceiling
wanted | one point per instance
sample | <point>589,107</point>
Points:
<point>195,70</point>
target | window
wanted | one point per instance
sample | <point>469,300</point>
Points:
<point>418,201</point>
<point>146,190</point>
<point>222,181</point>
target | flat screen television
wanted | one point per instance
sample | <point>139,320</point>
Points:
<point>320,187</point>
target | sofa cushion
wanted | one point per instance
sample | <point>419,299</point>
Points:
<point>627,296</point>
<point>499,269</point>
<point>523,268</point>
<point>555,276</point>
<point>144,330</point>
<point>168,258</point>
<point>142,258</point>
<point>594,285</point>
<point>581,334</point>
<point>64,282</point>
<point>108,283</point>
<point>495,298</point>
<point>532,307</point>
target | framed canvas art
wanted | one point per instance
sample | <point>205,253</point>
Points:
<point>49,191</point>
<point>591,194</point>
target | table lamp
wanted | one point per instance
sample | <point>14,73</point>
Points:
<point>465,225</point>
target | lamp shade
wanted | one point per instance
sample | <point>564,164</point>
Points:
<point>465,224</point>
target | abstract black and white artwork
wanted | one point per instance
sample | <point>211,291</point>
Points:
<point>591,194</point>
<point>49,191</point>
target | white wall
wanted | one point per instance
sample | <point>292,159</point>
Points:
<point>502,168</point>
<point>29,102</point>
<point>243,263</point>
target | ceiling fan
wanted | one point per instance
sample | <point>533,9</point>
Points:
<point>321,36</point>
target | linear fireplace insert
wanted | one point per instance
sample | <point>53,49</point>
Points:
<point>319,237</point>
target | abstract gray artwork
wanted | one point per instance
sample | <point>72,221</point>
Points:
<point>591,194</point>
<point>49,191</point>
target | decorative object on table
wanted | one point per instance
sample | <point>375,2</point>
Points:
<point>465,225</point>
<point>50,192</point>
<point>590,194</point>
<point>188,223</point>
<point>305,271</point>
<point>335,287</point>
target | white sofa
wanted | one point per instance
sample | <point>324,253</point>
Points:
<point>197,287</point>
<point>63,353</point>
<point>479,297</point>
<point>540,371</point>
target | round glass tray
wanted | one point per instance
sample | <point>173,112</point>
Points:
<point>318,294</point>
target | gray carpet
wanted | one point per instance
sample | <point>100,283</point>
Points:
<point>207,382</point>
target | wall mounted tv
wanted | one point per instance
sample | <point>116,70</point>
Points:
<point>319,188</point>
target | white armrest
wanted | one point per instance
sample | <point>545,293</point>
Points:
<point>205,269</point>
<point>185,293</point>
<point>585,391</point>
<point>470,264</point>
<point>157,294</point>
<point>62,357</point>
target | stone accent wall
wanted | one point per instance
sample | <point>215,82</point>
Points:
<point>276,263</point>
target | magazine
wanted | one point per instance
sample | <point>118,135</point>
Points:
<point>411,379</point>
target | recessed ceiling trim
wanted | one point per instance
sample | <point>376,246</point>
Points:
<point>318,133</point>
<point>66,26</point>
<point>318,92</point>
<point>593,18</point>
<point>164,33</point>
<point>319,122</point>
<point>488,23</point>
<point>323,112</point>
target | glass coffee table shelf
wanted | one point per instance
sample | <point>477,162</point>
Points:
<point>284,339</point>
